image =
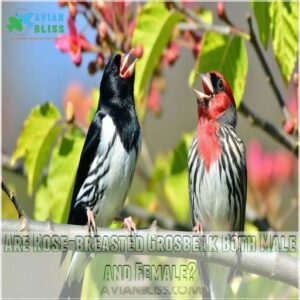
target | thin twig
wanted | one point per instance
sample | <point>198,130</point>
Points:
<point>228,30</point>
<point>11,196</point>
<point>6,165</point>
<point>112,36</point>
<point>269,76</point>
<point>275,132</point>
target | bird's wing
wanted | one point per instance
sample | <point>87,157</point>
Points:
<point>244,187</point>
<point>196,171</point>
<point>236,170</point>
<point>87,156</point>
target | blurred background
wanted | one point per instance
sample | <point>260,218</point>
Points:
<point>35,71</point>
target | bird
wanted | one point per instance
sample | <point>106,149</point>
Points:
<point>107,161</point>
<point>217,172</point>
<point>25,18</point>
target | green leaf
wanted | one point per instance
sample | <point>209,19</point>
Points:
<point>53,195</point>
<point>35,141</point>
<point>176,184</point>
<point>153,30</point>
<point>144,198</point>
<point>262,16</point>
<point>176,190</point>
<point>284,26</point>
<point>180,154</point>
<point>227,55</point>
<point>206,15</point>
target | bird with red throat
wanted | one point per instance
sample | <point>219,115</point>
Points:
<point>217,171</point>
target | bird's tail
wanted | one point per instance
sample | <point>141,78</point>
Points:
<point>214,280</point>
<point>218,275</point>
<point>73,283</point>
<point>204,278</point>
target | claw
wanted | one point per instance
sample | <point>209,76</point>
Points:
<point>91,222</point>
<point>129,224</point>
<point>198,228</point>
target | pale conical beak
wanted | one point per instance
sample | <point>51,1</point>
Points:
<point>128,62</point>
<point>201,96</point>
<point>207,85</point>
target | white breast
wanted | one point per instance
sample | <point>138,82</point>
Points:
<point>213,206</point>
<point>118,178</point>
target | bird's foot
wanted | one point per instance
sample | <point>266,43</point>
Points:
<point>235,271</point>
<point>129,224</point>
<point>91,222</point>
<point>198,228</point>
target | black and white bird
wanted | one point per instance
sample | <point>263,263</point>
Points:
<point>108,158</point>
<point>217,170</point>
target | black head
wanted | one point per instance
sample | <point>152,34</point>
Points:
<point>117,82</point>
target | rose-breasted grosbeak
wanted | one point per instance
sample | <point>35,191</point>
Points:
<point>108,158</point>
<point>217,170</point>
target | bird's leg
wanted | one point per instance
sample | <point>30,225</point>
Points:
<point>91,221</point>
<point>129,224</point>
<point>198,228</point>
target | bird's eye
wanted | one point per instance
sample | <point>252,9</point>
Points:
<point>114,68</point>
<point>220,85</point>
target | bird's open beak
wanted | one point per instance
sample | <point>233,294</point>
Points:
<point>208,90</point>
<point>128,62</point>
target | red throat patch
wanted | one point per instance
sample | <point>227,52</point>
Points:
<point>208,144</point>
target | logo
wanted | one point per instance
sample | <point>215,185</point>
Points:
<point>24,23</point>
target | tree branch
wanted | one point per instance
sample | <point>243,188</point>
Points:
<point>199,25</point>
<point>112,36</point>
<point>11,196</point>
<point>273,265</point>
<point>278,134</point>
<point>269,76</point>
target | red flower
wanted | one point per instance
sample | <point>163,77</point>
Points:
<point>72,8</point>
<point>259,168</point>
<point>266,169</point>
<point>284,165</point>
<point>73,43</point>
<point>171,54</point>
<point>291,124</point>
<point>154,101</point>
<point>196,49</point>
